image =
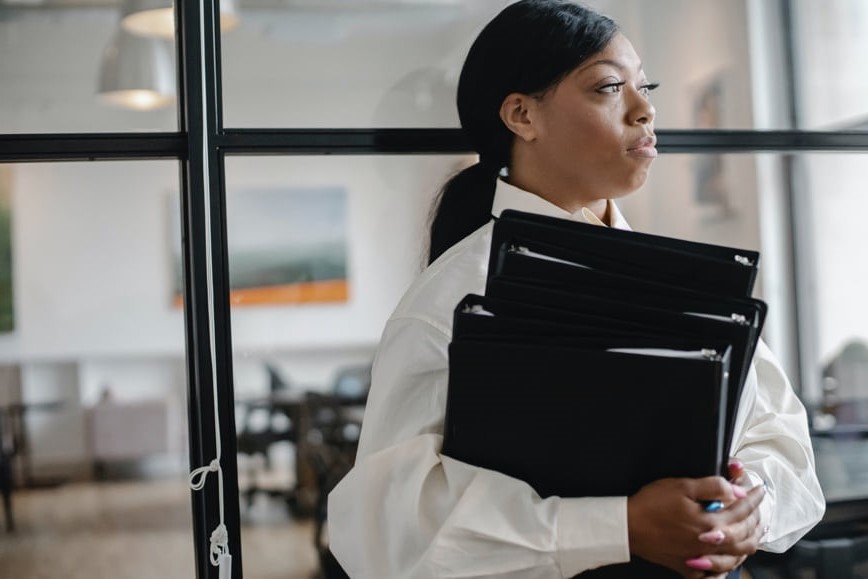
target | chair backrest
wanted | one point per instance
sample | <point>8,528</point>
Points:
<point>276,382</point>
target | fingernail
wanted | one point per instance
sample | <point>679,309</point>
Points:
<point>714,537</point>
<point>736,464</point>
<point>738,492</point>
<point>700,564</point>
<point>713,506</point>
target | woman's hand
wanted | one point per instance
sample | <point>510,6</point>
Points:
<point>668,525</point>
<point>740,539</point>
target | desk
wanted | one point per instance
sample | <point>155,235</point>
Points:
<point>318,421</point>
<point>842,467</point>
<point>848,418</point>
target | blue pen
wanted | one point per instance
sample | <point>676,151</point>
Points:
<point>713,506</point>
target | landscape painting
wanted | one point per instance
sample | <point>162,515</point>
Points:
<point>286,246</point>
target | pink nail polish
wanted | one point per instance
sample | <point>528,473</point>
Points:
<point>739,492</point>
<point>737,464</point>
<point>700,564</point>
<point>713,537</point>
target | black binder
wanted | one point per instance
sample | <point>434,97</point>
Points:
<point>712,268</point>
<point>597,421</point>
<point>744,317</point>
<point>600,360</point>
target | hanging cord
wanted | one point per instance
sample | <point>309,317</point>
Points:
<point>220,536</point>
<point>219,550</point>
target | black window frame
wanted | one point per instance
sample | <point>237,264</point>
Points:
<point>201,145</point>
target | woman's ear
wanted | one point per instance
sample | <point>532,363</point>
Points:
<point>516,112</point>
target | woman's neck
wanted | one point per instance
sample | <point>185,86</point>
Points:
<point>566,198</point>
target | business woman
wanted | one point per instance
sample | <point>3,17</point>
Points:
<point>555,100</point>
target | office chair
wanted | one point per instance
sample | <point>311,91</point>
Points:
<point>262,425</point>
<point>332,442</point>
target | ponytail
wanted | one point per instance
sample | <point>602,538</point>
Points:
<point>462,207</point>
<point>528,48</point>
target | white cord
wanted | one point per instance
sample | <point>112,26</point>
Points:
<point>219,549</point>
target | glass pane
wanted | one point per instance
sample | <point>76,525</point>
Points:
<point>92,372</point>
<point>834,333</point>
<point>832,209</point>
<point>71,67</point>
<point>396,64</point>
<point>831,41</point>
<point>321,250</point>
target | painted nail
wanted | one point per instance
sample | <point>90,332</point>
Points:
<point>739,492</point>
<point>713,506</point>
<point>737,464</point>
<point>714,537</point>
<point>700,564</point>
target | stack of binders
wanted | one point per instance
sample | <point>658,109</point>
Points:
<point>600,360</point>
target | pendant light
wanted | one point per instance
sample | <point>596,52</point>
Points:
<point>137,72</point>
<point>157,17</point>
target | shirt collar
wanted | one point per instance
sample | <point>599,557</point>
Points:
<point>507,196</point>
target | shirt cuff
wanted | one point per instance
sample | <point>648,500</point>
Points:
<point>766,508</point>
<point>592,532</point>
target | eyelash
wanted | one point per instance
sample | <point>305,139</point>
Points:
<point>645,89</point>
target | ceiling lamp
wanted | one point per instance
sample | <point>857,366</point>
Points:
<point>137,73</point>
<point>157,17</point>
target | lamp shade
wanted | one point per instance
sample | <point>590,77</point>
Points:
<point>137,72</point>
<point>157,17</point>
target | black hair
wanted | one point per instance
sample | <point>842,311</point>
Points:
<point>528,48</point>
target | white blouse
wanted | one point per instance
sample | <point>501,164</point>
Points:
<point>405,510</point>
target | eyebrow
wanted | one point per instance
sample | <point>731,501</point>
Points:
<point>610,62</point>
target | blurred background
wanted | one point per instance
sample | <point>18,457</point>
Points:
<point>93,383</point>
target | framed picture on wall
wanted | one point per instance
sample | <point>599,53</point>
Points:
<point>286,246</point>
<point>710,191</point>
<point>7,305</point>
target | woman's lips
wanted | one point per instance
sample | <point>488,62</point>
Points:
<point>644,148</point>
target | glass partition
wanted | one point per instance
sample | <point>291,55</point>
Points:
<point>320,251</point>
<point>93,382</point>
<point>72,67</point>
<point>396,64</point>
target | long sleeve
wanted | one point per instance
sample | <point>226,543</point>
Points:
<point>405,510</point>
<point>773,442</point>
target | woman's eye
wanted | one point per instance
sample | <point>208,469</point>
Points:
<point>645,89</point>
<point>611,88</point>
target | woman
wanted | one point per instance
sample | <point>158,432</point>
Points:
<point>555,101</point>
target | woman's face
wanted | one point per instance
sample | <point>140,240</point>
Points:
<point>593,133</point>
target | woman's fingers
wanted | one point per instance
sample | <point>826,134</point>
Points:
<point>737,472</point>
<point>715,488</point>
<point>715,564</point>
<point>736,531</point>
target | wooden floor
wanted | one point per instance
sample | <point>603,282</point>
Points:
<point>135,529</point>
